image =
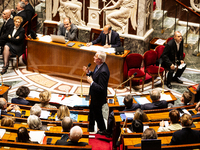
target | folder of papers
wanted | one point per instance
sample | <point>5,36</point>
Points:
<point>141,100</point>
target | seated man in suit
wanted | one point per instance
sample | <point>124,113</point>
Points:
<point>107,37</point>
<point>21,12</point>
<point>5,109</point>
<point>22,92</point>
<point>156,102</point>
<point>197,108</point>
<point>68,29</point>
<point>129,106</point>
<point>173,55</point>
<point>66,126</point>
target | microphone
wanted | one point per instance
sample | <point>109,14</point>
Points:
<point>115,96</point>
<point>82,79</point>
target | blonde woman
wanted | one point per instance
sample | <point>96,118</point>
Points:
<point>140,115</point>
<point>45,97</point>
<point>62,112</point>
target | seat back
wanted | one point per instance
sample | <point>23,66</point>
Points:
<point>25,26</point>
<point>134,60</point>
<point>151,144</point>
<point>159,49</point>
<point>94,33</point>
<point>169,39</point>
<point>150,58</point>
<point>34,22</point>
<point>50,28</point>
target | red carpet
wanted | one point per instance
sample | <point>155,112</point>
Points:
<point>99,143</point>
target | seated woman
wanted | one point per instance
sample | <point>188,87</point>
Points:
<point>140,115</point>
<point>136,126</point>
<point>22,92</point>
<point>186,135</point>
<point>22,135</point>
<point>174,117</point>
<point>15,43</point>
<point>62,112</point>
<point>35,123</point>
<point>8,122</point>
<point>45,97</point>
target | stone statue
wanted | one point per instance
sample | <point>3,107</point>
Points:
<point>72,9</point>
<point>119,18</point>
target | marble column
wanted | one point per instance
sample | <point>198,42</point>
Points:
<point>48,9</point>
<point>93,14</point>
<point>145,8</point>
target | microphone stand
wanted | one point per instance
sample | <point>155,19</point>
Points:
<point>115,96</point>
<point>161,79</point>
<point>123,131</point>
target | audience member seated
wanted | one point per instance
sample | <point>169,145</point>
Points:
<point>197,108</point>
<point>66,126</point>
<point>156,102</point>
<point>7,122</point>
<point>68,30</point>
<point>15,43</point>
<point>129,106</point>
<point>108,38</point>
<point>35,123</point>
<point>75,135</point>
<point>197,95</point>
<point>140,115</point>
<point>22,92</point>
<point>21,12</point>
<point>45,97</point>
<point>185,100</point>
<point>22,135</point>
<point>36,110</point>
<point>5,109</point>
<point>136,126</point>
<point>186,135</point>
<point>174,117</point>
<point>62,112</point>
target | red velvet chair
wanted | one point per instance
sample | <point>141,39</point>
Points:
<point>169,39</point>
<point>132,64</point>
<point>150,58</point>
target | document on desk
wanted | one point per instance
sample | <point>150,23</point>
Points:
<point>160,41</point>
<point>97,48</point>
<point>34,94</point>
<point>2,132</point>
<point>120,100</point>
<point>44,114</point>
<point>56,98</point>
<point>141,100</point>
<point>45,38</point>
<point>37,136</point>
<point>165,97</point>
<point>72,101</point>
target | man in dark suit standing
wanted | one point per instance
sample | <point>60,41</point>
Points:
<point>5,109</point>
<point>98,80</point>
<point>68,29</point>
<point>21,12</point>
<point>173,55</point>
<point>156,102</point>
<point>107,37</point>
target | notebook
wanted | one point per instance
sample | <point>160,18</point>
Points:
<point>58,38</point>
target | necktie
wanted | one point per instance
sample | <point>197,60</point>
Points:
<point>107,36</point>
<point>95,70</point>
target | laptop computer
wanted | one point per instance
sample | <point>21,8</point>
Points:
<point>58,38</point>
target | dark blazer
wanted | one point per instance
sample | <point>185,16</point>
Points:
<point>17,44</point>
<point>98,89</point>
<point>20,101</point>
<point>134,107</point>
<point>155,105</point>
<point>71,35</point>
<point>62,142</point>
<point>7,27</point>
<point>30,12</point>
<point>17,114</point>
<point>197,115</point>
<point>197,95</point>
<point>169,53</point>
<point>185,136</point>
<point>115,40</point>
<point>21,14</point>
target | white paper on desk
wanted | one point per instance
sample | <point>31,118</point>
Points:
<point>181,66</point>
<point>165,97</point>
<point>142,100</point>
<point>39,35</point>
<point>45,38</point>
<point>44,114</point>
<point>56,98</point>
<point>166,123</point>
<point>34,94</point>
<point>97,48</point>
<point>72,101</point>
<point>145,127</point>
<point>37,136</point>
<point>129,115</point>
<point>2,132</point>
<point>185,111</point>
<point>160,42</point>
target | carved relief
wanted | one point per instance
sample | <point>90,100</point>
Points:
<point>119,18</point>
<point>72,9</point>
<point>148,11</point>
<point>195,5</point>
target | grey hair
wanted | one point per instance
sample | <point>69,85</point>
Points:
<point>22,5</point>
<point>101,55</point>
<point>155,94</point>
<point>75,133</point>
<point>2,103</point>
<point>36,110</point>
<point>34,122</point>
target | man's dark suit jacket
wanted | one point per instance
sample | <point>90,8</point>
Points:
<point>155,105</point>
<point>98,90</point>
<point>17,44</point>
<point>185,136</point>
<point>197,115</point>
<point>21,14</point>
<point>7,27</point>
<point>63,139</point>
<point>30,12</point>
<point>114,42</point>
<point>20,101</point>
<point>62,142</point>
<point>17,114</point>
<point>197,95</point>
<point>169,53</point>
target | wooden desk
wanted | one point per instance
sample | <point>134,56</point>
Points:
<point>152,43</point>
<point>58,59</point>
<point>193,91</point>
<point>4,91</point>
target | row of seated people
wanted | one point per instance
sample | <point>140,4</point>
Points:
<point>12,34</point>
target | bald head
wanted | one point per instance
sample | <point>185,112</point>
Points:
<point>66,124</point>
<point>6,14</point>
<point>177,36</point>
<point>107,29</point>
<point>75,133</point>
<point>3,103</point>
